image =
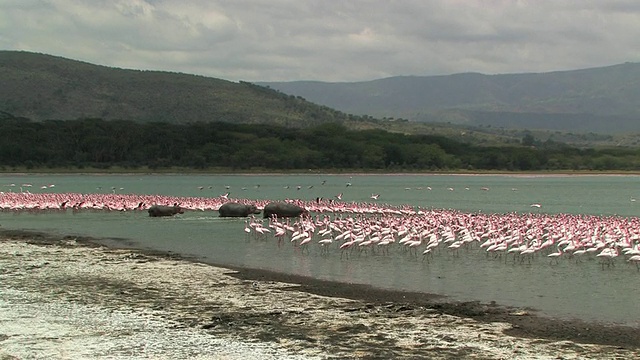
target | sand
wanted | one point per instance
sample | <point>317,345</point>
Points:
<point>70,298</point>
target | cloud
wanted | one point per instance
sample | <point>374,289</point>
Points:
<point>278,40</point>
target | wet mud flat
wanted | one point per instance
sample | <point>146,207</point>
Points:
<point>72,298</point>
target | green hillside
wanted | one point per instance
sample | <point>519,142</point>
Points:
<point>65,115</point>
<point>39,87</point>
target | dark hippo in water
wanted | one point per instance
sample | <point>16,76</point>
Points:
<point>234,209</point>
<point>163,210</point>
<point>283,210</point>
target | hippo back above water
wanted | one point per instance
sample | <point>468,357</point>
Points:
<point>163,210</point>
<point>234,209</point>
<point>283,210</point>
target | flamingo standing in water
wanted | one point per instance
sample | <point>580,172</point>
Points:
<point>247,228</point>
<point>555,255</point>
<point>608,255</point>
<point>636,260</point>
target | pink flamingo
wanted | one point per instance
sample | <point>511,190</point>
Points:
<point>555,255</point>
<point>636,260</point>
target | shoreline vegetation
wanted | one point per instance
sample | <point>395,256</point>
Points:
<point>290,316</point>
<point>100,144</point>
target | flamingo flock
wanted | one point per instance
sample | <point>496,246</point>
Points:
<point>520,238</point>
<point>373,228</point>
<point>116,202</point>
<point>128,202</point>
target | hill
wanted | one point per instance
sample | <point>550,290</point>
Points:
<point>601,100</point>
<point>40,87</point>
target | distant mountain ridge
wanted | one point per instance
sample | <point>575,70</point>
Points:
<point>579,100</point>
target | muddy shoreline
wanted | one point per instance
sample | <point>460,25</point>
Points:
<point>324,318</point>
<point>524,322</point>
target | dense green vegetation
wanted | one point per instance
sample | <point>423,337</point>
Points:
<point>96,143</point>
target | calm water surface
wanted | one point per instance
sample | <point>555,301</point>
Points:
<point>569,289</point>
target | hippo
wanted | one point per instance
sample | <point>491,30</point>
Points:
<point>234,209</point>
<point>163,210</point>
<point>283,210</point>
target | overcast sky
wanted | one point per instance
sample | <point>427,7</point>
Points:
<point>327,40</point>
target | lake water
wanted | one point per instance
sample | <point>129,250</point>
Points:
<point>569,289</point>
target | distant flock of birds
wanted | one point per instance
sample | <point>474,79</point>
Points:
<point>373,228</point>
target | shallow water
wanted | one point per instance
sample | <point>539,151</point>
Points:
<point>568,289</point>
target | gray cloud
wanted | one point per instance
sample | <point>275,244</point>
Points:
<point>271,40</point>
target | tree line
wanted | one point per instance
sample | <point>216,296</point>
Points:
<point>101,144</point>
